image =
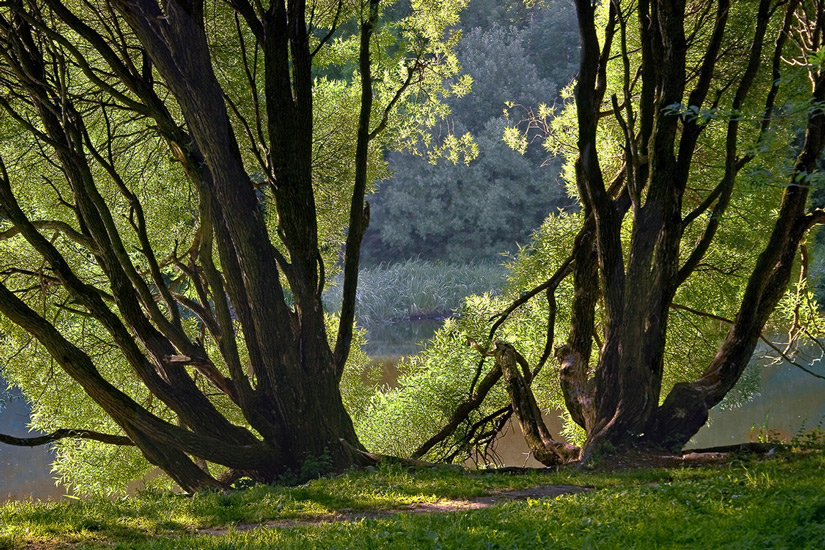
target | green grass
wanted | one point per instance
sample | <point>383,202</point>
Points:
<point>416,288</point>
<point>775,502</point>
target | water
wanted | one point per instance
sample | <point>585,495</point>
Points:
<point>24,472</point>
<point>400,338</point>
<point>790,400</point>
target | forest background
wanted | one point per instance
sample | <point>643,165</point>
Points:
<point>518,57</point>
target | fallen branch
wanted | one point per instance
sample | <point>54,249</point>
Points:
<point>753,447</point>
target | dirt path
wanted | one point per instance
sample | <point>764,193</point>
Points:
<point>439,506</point>
<point>626,461</point>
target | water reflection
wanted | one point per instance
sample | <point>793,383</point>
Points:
<point>400,338</point>
<point>790,401</point>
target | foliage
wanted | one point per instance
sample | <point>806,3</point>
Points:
<point>710,507</point>
<point>514,55</point>
<point>459,213</point>
<point>434,382</point>
<point>430,385</point>
<point>679,267</point>
<point>176,194</point>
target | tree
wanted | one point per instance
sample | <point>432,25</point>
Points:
<point>184,296</point>
<point>461,213</point>
<point>673,101</point>
<point>622,401</point>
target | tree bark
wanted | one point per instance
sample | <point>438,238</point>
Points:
<point>284,377</point>
<point>518,377</point>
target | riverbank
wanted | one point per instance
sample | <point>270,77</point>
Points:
<point>733,501</point>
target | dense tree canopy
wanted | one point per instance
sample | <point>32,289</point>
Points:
<point>517,57</point>
<point>176,180</point>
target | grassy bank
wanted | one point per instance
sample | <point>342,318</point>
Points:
<point>416,288</point>
<point>745,502</point>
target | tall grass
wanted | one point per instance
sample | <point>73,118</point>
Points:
<point>416,288</point>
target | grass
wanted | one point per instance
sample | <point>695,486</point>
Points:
<point>416,288</point>
<point>774,502</point>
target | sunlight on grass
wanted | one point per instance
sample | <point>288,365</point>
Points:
<point>746,503</point>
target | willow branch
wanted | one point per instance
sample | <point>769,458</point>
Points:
<point>64,433</point>
<point>359,214</point>
<point>54,225</point>
<point>762,337</point>
<point>245,9</point>
<point>563,271</point>
<point>462,412</point>
<point>333,28</point>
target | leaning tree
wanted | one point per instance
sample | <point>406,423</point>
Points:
<point>176,179</point>
<point>688,120</point>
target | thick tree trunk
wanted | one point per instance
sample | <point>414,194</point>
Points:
<point>685,410</point>
<point>639,287</point>
<point>628,261</point>
<point>285,380</point>
<point>297,395</point>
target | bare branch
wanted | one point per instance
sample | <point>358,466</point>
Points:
<point>64,433</point>
<point>388,109</point>
<point>55,225</point>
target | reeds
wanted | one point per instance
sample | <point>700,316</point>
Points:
<point>416,289</point>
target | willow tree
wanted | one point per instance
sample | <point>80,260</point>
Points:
<point>176,178</point>
<point>673,101</point>
<point>662,156</point>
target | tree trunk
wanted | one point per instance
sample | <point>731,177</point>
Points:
<point>275,363</point>
<point>517,376</point>
<point>640,287</point>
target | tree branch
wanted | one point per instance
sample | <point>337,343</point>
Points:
<point>332,29</point>
<point>359,209</point>
<point>65,433</point>
<point>563,271</point>
<point>732,164</point>
<point>55,225</point>
<point>245,9</point>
